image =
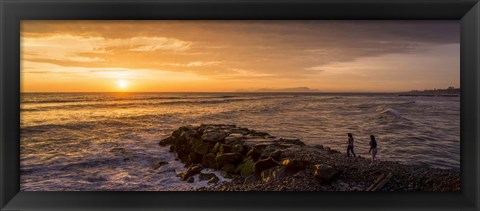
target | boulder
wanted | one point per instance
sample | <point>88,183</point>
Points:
<point>206,176</point>
<point>245,168</point>
<point>271,151</point>
<point>225,148</point>
<point>182,157</point>
<point>193,170</point>
<point>324,172</point>
<point>202,148</point>
<point>214,136</point>
<point>176,133</point>
<point>263,164</point>
<point>208,160</point>
<point>257,133</point>
<point>194,158</point>
<point>229,168</point>
<point>272,174</point>
<point>172,148</point>
<point>253,153</point>
<point>292,141</point>
<point>213,180</point>
<point>191,180</point>
<point>226,158</point>
<point>166,141</point>
<point>292,166</point>
<point>189,134</point>
<point>216,148</point>
<point>238,148</point>
<point>233,138</point>
<point>184,136</point>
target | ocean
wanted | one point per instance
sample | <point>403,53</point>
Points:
<point>109,141</point>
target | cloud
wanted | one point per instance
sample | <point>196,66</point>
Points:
<point>194,64</point>
<point>67,47</point>
<point>152,44</point>
<point>239,50</point>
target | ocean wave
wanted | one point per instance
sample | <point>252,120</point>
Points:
<point>391,112</point>
<point>72,165</point>
<point>132,103</point>
<point>107,98</point>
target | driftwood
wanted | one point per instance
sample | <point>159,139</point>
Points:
<point>380,182</point>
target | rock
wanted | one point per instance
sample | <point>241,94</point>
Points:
<point>176,133</point>
<point>271,151</point>
<point>253,153</point>
<point>229,168</point>
<point>208,160</point>
<point>213,180</point>
<point>206,176</point>
<point>202,148</point>
<point>234,137</point>
<point>324,172</point>
<point>292,166</point>
<point>190,172</point>
<point>189,134</point>
<point>183,134</point>
<point>214,136</point>
<point>292,141</point>
<point>166,141</point>
<point>256,133</point>
<point>245,168</point>
<point>249,180</point>
<point>223,159</point>
<point>172,148</point>
<point>238,148</point>
<point>225,148</point>
<point>272,174</point>
<point>267,163</point>
<point>191,180</point>
<point>216,148</point>
<point>194,158</point>
<point>226,175</point>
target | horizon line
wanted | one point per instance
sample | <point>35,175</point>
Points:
<point>316,92</point>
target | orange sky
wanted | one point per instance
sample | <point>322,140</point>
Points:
<point>185,56</point>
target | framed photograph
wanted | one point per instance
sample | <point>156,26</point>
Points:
<point>239,105</point>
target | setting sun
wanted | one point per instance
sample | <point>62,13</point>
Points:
<point>122,84</point>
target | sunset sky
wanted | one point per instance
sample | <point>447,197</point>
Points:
<point>222,56</point>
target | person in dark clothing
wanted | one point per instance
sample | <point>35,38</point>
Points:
<point>373,148</point>
<point>350,145</point>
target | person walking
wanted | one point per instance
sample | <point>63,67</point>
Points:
<point>373,148</point>
<point>350,145</point>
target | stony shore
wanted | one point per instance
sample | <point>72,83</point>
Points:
<point>258,161</point>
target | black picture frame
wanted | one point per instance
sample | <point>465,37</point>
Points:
<point>12,11</point>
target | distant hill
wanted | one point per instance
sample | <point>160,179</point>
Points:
<point>294,89</point>
<point>448,92</point>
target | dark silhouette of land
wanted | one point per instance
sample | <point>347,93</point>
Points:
<point>448,92</point>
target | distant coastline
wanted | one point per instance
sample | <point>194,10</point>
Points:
<point>448,92</point>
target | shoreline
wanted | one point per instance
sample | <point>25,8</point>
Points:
<point>258,161</point>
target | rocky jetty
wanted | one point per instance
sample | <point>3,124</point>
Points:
<point>259,161</point>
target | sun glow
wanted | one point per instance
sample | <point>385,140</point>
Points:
<point>122,84</point>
